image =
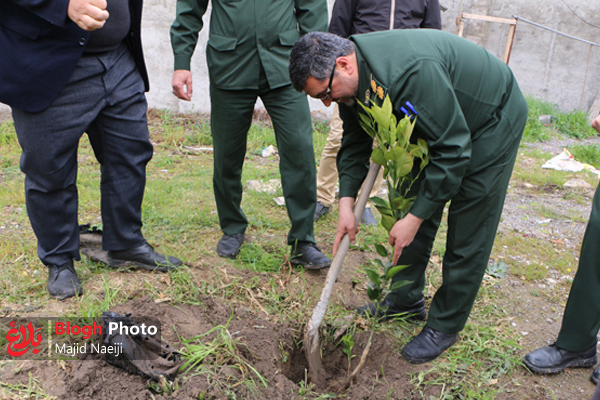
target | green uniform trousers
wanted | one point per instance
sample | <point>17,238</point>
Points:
<point>473,217</point>
<point>579,329</point>
<point>231,117</point>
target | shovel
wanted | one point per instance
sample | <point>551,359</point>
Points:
<point>312,347</point>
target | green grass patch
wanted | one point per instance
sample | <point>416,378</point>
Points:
<point>586,153</point>
<point>575,124</point>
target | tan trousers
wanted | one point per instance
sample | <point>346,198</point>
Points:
<point>328,175</point>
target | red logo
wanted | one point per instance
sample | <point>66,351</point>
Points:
<point>20,339</point>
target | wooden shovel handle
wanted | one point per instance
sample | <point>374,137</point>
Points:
<point>311,334</point>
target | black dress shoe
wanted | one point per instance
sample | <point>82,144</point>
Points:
<point>428,345</point>
<point>552,359</point>
<point>320,211</point>
<point>595,375</point>
<point>388,310</point>
<point>145,257</point>
<point>229,245</point>
<point>309,256</point>
<point>63,281</point>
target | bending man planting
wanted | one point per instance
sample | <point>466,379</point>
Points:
<point>470,111</point>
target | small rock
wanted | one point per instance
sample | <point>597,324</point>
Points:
<point>548,320</point>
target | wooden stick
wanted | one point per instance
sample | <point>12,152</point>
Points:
<point>312,347</point>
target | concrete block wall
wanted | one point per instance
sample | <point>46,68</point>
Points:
<point>547,65</point>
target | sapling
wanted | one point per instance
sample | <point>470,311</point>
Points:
<point>402,162</point>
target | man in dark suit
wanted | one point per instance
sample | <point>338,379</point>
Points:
<point>69,67</point>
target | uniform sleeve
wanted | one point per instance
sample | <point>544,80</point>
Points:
<point>311,15</point>
<point>342,17</point>
<point>440,121</point>
<point>433,15</point>
<point>354,154</point>
<point>184,31</point>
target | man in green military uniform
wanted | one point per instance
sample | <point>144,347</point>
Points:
<point>578,336</point>
<point>247,55</point>
<point>470,111</point>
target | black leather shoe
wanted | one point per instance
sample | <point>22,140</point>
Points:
<point>388,310</point>
<point>63,281</point>
<point>595,375</point>
<point>229,245</point>
<point>321,210</point>
<point>368,218</point>
<point>309,256</point>
<point>144,257</point>
<point>428,345</point>
<point>551,359</point>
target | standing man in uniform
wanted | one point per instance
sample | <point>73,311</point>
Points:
<point>469,109</point>
<point>69,67</point>
<point>578,336</point>
<point>247,54</point>
<point>351,17</point>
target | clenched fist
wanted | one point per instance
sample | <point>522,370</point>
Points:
<point>88,14</point>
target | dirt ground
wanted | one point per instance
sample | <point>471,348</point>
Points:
<point>385,375</point>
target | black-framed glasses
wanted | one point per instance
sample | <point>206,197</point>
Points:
<point>327,94</point>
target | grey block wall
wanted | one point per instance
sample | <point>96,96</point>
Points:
<point>547,65</point>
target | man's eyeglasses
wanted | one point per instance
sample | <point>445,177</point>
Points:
<point>327,94</point>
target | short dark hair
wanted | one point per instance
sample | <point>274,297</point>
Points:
<point>314,55</point>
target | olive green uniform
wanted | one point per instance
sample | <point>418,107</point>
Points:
<point>579,329</point>
<point>472,114</point>
<point>247,55</point>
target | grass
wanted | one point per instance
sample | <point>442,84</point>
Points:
<point>180,218</point>
<point>586,153</point>
<point>574,124</point>
<point>219,360</point>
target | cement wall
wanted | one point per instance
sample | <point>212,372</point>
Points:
<point>546,64</point>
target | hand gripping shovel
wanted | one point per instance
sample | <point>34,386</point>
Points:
<point>312,345</point>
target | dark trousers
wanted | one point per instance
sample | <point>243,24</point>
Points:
<point>105,98</point>
<point>473,217</point>
<point>231,117</point>
<point>579,329</point>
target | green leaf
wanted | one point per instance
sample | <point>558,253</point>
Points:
<point>378,262</point>
<point>423,145</point>
<point>408,128</point>
<point>400,203</point>
<point>374,294</point>
<point>381,250</point>
<point>397,285</point>
<point>378,201</point>
<point>373,277</point>
<point>366,123</point>
<point>378,156</point>
<point>404,164</point>
<point>394,270</point>
<point>388,222</point>
<point>385,211</point>
<point>400,132</point>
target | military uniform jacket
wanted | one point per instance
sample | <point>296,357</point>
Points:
<point>459,93</point>
<point>245,34</point>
